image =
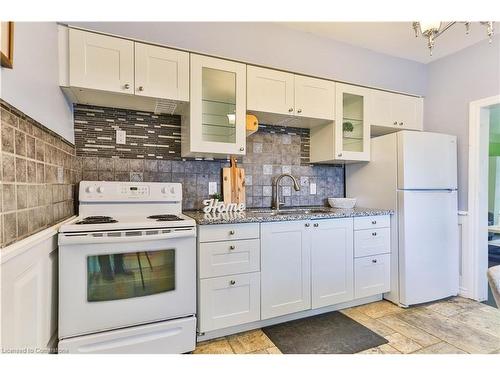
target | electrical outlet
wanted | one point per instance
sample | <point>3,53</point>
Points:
<point>312,188</point>
<point>121,137</point>
<point>60,175</point>
<point>212,188</point>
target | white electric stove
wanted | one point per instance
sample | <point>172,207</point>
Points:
<point>127,271</point>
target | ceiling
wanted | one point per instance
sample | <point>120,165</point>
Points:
<point>393,38</point>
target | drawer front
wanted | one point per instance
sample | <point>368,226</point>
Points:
<point>368,222</point>
<point>228,258</point>
<point>372,242</point>
<point>372,275</point>
<point>228,301</point>
<point>224,232</point>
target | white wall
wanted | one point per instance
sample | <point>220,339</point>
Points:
<point>453,82</point>
<point>33,85</point>
<point>276,46</point>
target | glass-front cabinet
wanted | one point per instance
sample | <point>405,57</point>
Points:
<point>352,127</point>
<point>217,114</point>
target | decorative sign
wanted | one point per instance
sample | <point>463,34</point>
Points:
<point>214,206</point>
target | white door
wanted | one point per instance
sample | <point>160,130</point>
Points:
<point>228,301</point>
<point>101,62</point>
<point>285,268</point>
<point>381,109</point>
<point>407,111</point>
<point>428,245</point>
<point>314,98</point>
<point>332,262</point>
<point>427,160</point>
<point>372,275</point>
<point>161,72</point>
<point>270,91</point>
<point>217,121</point>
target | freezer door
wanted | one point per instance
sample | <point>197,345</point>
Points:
<point>427,161</point>
<point>428,245</point>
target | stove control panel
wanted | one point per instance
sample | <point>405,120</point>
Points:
<point>104,191</point>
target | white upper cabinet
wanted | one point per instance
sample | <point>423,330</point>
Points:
<point>216,124</point>
<point>395,111</point>
<point>161,72</point>
<point>270,90</point>
<point>280,93</point>
<point>314,98</point>
<point>101,62</point>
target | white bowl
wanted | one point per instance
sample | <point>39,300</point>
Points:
<point>342,202</point>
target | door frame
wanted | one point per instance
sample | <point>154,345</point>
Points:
<point>476,259</point>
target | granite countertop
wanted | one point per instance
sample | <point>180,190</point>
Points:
<point>265,215</point>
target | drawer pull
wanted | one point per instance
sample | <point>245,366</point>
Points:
<point>374,260</point>
<point>231,232</point>
<point>316,225</point>
<point>231,247</point>
<point>232,282</point>
<point>307,225</point>
<point>374,222</point>
<point>374,233</point>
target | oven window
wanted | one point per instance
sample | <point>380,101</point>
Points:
<point>129,275</point>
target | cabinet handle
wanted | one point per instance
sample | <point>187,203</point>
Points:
<point>299,111</point>
<point>339,155</point>
<point>374,222</point>
<point>307,225</point>
<point>231,247</point>
<point>395,122</point>
<point>316,225</point>
<point>400,124</point>
<point>141,88</point>
<point>242,148</point>
<point>374,260</point>
<point>290,109</point>
<point>374,233</point>
<point>231,232</point>
<point>126,86</point>
<point>232,282</point>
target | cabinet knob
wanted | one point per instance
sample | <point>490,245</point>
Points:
<point>374,233</point>
<point>299,111</point>
<point>400,124</point>
<point>374,260</point>
<point>231,247</point>
<point>232,282</point>
<point>307,225</point>
<point>395,122</point>
<point>316,225</point>
<point>242,148</point>
<point>141,88</point>
<point>231,232</point>
<point>374,222</point>
<point>290,109</point>
<point>339,155</point>
<point>126,86</point>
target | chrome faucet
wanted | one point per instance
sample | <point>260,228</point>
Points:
<point>276,200</point>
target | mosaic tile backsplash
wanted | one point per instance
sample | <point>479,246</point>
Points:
<point>152,153</point>
<point>37,176</point>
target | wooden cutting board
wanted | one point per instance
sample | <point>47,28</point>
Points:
<point>233,183</point>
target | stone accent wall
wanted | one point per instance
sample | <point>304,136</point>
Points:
<point>271,151</point>
<point>37,176</point>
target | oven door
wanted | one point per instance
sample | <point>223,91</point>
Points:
<point>110,280</point>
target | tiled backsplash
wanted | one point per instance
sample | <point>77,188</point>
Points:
<point>271,151</point>
<point>37,176</point>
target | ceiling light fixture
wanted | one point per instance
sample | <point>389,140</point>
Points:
<point>433,29</point>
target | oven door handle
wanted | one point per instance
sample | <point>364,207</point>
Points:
<point>124,236</point>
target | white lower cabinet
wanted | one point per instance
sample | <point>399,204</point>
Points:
<point>372,275</point>
<point>285,267</point>
<point>332,262</point>
<point>228,301</point>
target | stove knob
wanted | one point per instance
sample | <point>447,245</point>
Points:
<point>89,189</point>
<point>172,190</point>
<point>100,189</point>
<point>164,190</point>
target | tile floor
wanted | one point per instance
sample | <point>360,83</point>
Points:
<point>453,326</point>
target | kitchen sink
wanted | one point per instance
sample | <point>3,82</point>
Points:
<point>290,211</point>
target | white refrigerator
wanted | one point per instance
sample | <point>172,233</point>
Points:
<point>415,174</point>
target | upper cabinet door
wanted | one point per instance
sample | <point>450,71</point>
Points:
<point>161,72</point>
<point>352,125</point>
<point>270,90</point>
<point>408,111</point>
<point>101,62</point>
<point>314,98</point>
<point>217,121</point>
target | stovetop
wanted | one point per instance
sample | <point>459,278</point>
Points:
<point>97,220</point>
